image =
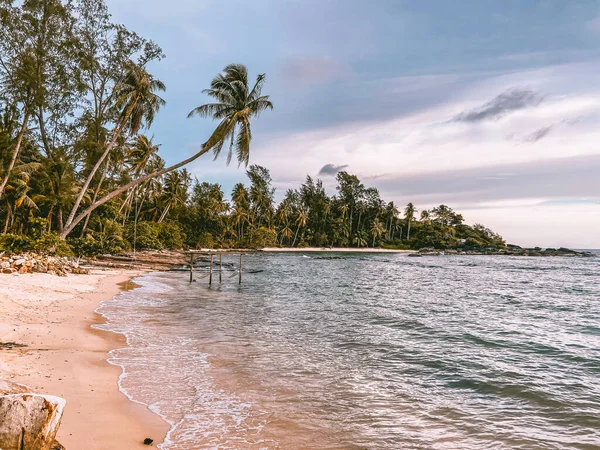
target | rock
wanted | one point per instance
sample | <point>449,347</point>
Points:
<point>23,270</point>
<point>7,387</point>
<point>56,446</point>
<point>29,421</point>
<point>148,441</point>
<point>20,261</point>
<point>8,270</point>
<point>4,265</point>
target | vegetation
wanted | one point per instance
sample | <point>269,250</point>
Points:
<point>78,173</point>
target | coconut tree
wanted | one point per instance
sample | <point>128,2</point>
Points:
<point>235,105</point>
<point>175,190</point>
<point>136,103</point>
<point>377,230</point>
<point>409,215</point>
<point>301,220</point>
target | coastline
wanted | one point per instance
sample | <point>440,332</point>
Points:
<point>332,250</point>
<point>65,356</point>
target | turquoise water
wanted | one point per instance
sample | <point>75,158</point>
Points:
<point>336,351</point>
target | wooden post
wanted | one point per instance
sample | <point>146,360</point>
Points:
<point>240,281</point>
<point>220,267</point>
<point>191,267</point>
<point>211,264</point>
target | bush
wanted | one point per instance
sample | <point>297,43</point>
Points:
<point>109,239</point>
<point>154,235</point>
<point>170,235</point>
<point>52,244</point>
<point>260,238</point>
<point>144,236</point>
<point>15,243</point>
<point>206,240</point>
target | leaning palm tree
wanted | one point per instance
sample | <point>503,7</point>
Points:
<point>236,103</point>
<point>136,103</point>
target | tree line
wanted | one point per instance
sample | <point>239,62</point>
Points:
<point>78,169</point>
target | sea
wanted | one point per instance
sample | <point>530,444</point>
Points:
<point>367,351</point>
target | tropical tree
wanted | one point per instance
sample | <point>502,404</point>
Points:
<point>409,215</point>
<point>236,105</point>
<point>136,103</point>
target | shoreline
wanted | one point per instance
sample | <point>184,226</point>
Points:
<point>333,250</point>
<point>66,357</point>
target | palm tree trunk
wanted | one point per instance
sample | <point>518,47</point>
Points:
<point>165,212</point>
<point>295,236</point>
<point>85,186</point>
<point>408,231</point>
<point>15,153</point>
<point>60,219</point>
<point>87,219</point>
<point>69,228</point>
<point>7,219</point>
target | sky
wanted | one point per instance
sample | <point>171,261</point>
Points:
<point>492,108</point>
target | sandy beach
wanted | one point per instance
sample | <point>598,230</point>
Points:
<point>64,356</point>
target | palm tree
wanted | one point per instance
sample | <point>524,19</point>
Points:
<point>409,214</point>
<point>377,230</point>
<point>236,104</point>
<point>177,184</point>
<point>17,192</point>
<point>359,240</point>
<point>301,220</point>
<point>137,103</point>
<point>60,190</point>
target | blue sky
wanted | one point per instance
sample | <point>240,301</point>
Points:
<point>492,108</point>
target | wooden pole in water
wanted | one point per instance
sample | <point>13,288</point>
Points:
<point>240,281</point>
<point>220,267</point>
<point>191,267</point>
<point>211,264</point>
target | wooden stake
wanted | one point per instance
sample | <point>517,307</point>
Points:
<point>220,267</point>
<point>240,281</point>
<point>211,264</point>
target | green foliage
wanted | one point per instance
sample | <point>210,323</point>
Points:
<point>15,243</point>
<point>154,235</point>
<point>38,240</point>
<point>170,235</point>
<point>261,237</point>
<point>206,240</point>
<point>108,239</point>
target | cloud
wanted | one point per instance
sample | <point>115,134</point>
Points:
<point>331,169</point>
<point>547,179</point>
<point>512,100</point>
<point>314,70</point>
<point>539,134</point>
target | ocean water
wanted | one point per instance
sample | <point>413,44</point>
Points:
<point>379,351</point>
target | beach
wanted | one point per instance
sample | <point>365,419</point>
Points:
<point>64,356</point>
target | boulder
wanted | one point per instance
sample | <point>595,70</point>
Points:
<point>23,270</point>
<point>20,262</point>
<point>29,421</point>
<point>7,387</point>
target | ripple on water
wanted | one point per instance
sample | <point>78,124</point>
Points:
<point>339,351</point>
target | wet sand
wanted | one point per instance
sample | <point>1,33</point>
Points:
<point>64,356</point>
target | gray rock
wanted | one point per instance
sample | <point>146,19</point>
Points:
<point>29,421</point>
<point>20,261</point>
